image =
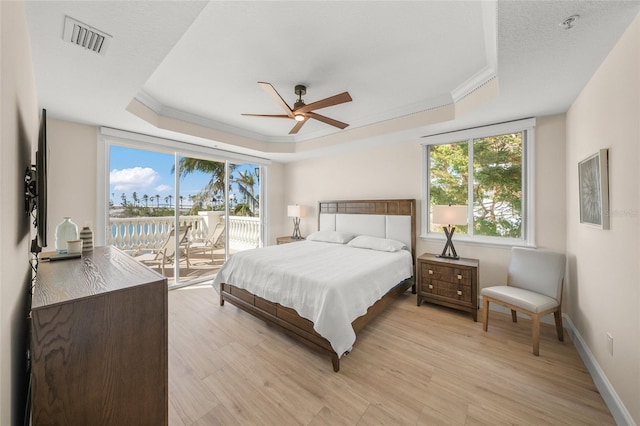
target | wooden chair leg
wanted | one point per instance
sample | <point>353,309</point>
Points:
<point>485,313</point>
<point>558,316</point>
<point>535,332</point>
<point>514,316</point>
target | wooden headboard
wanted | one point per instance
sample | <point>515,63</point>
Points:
<point>403,207</point>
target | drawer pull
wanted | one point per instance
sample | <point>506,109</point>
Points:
<point>430,286</point>
<point>430,272</point>
<point>459,293</point>
<point>459,276</point>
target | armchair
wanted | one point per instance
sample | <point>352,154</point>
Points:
<point>534,287</point>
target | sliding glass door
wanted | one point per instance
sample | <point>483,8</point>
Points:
<point>182,215</point>
<point>201,214</point>
<point>244,219</point>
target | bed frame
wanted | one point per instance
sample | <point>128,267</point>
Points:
<point>301,329</point>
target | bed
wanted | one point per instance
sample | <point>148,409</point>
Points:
<point>328,291</point>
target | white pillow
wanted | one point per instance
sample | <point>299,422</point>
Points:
<point>376,243</point>
<point>331,237</point>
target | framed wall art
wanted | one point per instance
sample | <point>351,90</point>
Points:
<point>593,178</point>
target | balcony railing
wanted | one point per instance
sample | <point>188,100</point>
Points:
<point>145,233</point>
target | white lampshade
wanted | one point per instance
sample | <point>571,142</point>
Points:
<point>295,211</point>
<point>449,215</point>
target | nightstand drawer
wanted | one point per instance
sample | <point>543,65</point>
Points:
<point>430,271</point>
<point>448,290</point>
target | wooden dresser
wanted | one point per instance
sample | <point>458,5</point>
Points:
<point>448,282</point>
<point>99,342</point>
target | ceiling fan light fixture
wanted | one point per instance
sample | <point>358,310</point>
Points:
<point>302,112</point>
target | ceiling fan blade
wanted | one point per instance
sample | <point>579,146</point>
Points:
<point>272,91</point>
<point>327,102</point>
<point>267,115</point>
<point>297,127</point>
<point>331,121</point>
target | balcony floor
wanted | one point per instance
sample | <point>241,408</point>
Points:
<point>200,265</point>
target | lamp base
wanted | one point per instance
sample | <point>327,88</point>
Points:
<point>448,257</point>
<point>451,253</point>
<point>296,229</point>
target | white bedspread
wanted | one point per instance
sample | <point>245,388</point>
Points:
<point>328,284</point>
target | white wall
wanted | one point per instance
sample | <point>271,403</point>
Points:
<point>73,158</point>
<point>19,118</point>
<point>394,171</point>
<point>604,284</point>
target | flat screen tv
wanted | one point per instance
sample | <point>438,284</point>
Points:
<point>36,188</point>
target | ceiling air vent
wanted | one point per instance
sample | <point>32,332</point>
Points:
<point>83,35</point>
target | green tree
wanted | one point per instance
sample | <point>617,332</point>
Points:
<point>145,198</point>
<point>135,198</point>
<point>246,182</point>
<point>213,168</point>
<point>242,209</point>
<point>497,182</point>
<point>497,188</point>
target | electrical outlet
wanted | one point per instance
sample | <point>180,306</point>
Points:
<point>610,343</point>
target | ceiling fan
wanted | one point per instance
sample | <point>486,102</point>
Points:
<point>301,112</point>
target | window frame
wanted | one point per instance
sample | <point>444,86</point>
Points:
<point>527,126</point>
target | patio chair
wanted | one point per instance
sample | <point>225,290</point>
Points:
<point>215,241</point>
<point>167,253</point>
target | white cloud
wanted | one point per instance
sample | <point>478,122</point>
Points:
<point>162,188</point>
<point>136,178</point>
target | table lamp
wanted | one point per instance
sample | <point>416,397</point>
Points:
<point>449,215</point>
<point>296,212</point>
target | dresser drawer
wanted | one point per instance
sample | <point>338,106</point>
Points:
<point>431,271</point>
<point>446,289</point>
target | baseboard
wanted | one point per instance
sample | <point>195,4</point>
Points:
<point>619,412</point>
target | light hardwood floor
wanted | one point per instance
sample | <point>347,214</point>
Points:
<point>413,365</point>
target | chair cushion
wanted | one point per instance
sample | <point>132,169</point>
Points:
<point>525,299</point>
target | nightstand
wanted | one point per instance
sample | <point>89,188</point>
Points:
<point>287,240</point>
<point>448,282</point>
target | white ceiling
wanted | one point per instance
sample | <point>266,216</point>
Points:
<point>187,70</point>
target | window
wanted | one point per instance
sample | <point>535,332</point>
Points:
<point>488,169</point>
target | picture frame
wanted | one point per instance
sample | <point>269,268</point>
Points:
<point>593,180</point>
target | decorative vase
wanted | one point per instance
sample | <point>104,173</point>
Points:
<point>86,235</point>
<point>65,231</point>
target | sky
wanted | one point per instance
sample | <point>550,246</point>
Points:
<point>150,173</point>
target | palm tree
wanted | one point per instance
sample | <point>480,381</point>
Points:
<point>181,200</point>
<point>242,210</point>
<point>145,198</point>
<point>124,200</point>
<point>214,168</point>
<point>135,198</point>
<point>246,182</point>
<point>158,200</point>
